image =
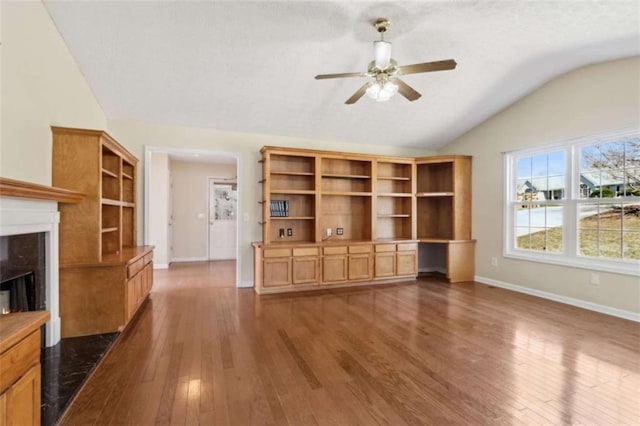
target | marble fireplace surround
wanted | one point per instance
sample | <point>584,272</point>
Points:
<point>30,208</point>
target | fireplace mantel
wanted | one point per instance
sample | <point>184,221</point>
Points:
<point>21,189</point>
<point>31,208</point>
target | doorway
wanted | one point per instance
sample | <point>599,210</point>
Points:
<point>177,210</point>
<point>223,213</point>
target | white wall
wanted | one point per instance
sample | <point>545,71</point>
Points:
<point>587,101</point>
<point>135,135</point>
<point>190,206</point>
<point>159,208</point>
<point>41,86</point>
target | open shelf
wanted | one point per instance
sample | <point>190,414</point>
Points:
<point>436,177</point>
<point>436,217</point>
<point>292,164</point>
<point>108,173</point>
<point>344,176</point>
<point>352,214</point>
<point>106,230</point>
<point>434,194</point>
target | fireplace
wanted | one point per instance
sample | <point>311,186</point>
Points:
<point>29,259</point>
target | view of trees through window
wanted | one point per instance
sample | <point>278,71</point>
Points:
<point>600,200</point>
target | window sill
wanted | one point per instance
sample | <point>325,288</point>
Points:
<point>591,264</point>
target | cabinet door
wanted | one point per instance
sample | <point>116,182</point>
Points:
<point>334,269</point>
<point>406,262</point>
<point>277,271</point>
<point>360,267</point>
<point>305,270</point>
<point>23,399</point>
<point>131,298</point>
<point>3,409</point>
<point>385,265</point>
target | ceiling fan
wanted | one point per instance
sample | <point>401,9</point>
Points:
<point>383,72</point>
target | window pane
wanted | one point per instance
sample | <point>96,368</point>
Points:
<point>631,217</point>
<point>524,168</point>
<point>539,165</point>
<point>610,244</point>
<point>632,167</point>
<point>539,228</point>
<point>588,242</point>
<point>602,170</point>
<point>600,229</point>
<point>631,247</point>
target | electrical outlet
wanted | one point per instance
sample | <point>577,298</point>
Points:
<point>494,261</point>
<point>329,232</point>
<point>339,231</point>
<point>289,232</point>
<point>595,278</point>
<point>281,232</point>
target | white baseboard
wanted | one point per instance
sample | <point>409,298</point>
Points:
<point>245,284</point>
<point>160,266</point>
<point>188,259</point>
<point>620,313</point>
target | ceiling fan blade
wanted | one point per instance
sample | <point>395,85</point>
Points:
<point>448,64</point>
<point>361,91</point>
<point>407,91</point>
<point>342,75</point>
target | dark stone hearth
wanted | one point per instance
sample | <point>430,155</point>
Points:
<point>65,367</point>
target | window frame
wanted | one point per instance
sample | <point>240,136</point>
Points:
<point>571,203</point>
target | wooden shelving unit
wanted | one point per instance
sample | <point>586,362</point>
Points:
<point>443,195</point>
<point>98,234</point>
<point>383,207</point>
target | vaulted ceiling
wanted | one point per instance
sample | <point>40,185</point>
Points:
<point>250,66</point>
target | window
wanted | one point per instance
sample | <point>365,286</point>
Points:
<point>576,203</point>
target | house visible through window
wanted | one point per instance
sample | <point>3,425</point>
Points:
<point>576,203</point>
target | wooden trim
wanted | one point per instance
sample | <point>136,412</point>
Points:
<point>21,189</point>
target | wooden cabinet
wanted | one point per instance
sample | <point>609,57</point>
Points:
<point>20,367</point>
<point>305,265</point>
<point>103,297</point>
<point>99,259</point>
<point>335,265</point>
<point>94,164</point>
<point>444,211</point>
<point>360,262</point>
<point>407,259</point>
<point>314,265</point>
<point>376,208</point>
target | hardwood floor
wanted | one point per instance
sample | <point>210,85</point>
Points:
<point>417,353</point>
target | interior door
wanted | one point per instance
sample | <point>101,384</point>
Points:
<point>223,208</point>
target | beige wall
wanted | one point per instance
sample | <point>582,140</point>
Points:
<point>190,208</point>
<point>587,101</point>
<point>41,86</point>
<point>135,135</point>
<point>159,208</point>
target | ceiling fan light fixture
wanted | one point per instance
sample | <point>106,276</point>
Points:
<point>381,92</point>
<point>382,53</point>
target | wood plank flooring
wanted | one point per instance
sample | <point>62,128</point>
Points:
<point>202,352</point>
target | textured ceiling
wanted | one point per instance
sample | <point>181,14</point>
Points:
<point>249,66</point>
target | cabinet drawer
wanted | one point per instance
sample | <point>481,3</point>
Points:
<point>15,361</point>
<point>407,247</point>
<point>306,251</point>
<point>360,249</point>
<point>280,252</point>
<point>383,248</point>
<point>148,258</point>
<point>135,267</point>
<point>335,250</point>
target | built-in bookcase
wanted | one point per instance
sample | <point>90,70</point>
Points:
<point>443,193</point>
<point>395,205</point>
<point>92,163</point>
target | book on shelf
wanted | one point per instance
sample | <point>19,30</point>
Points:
<point>279,208</point>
